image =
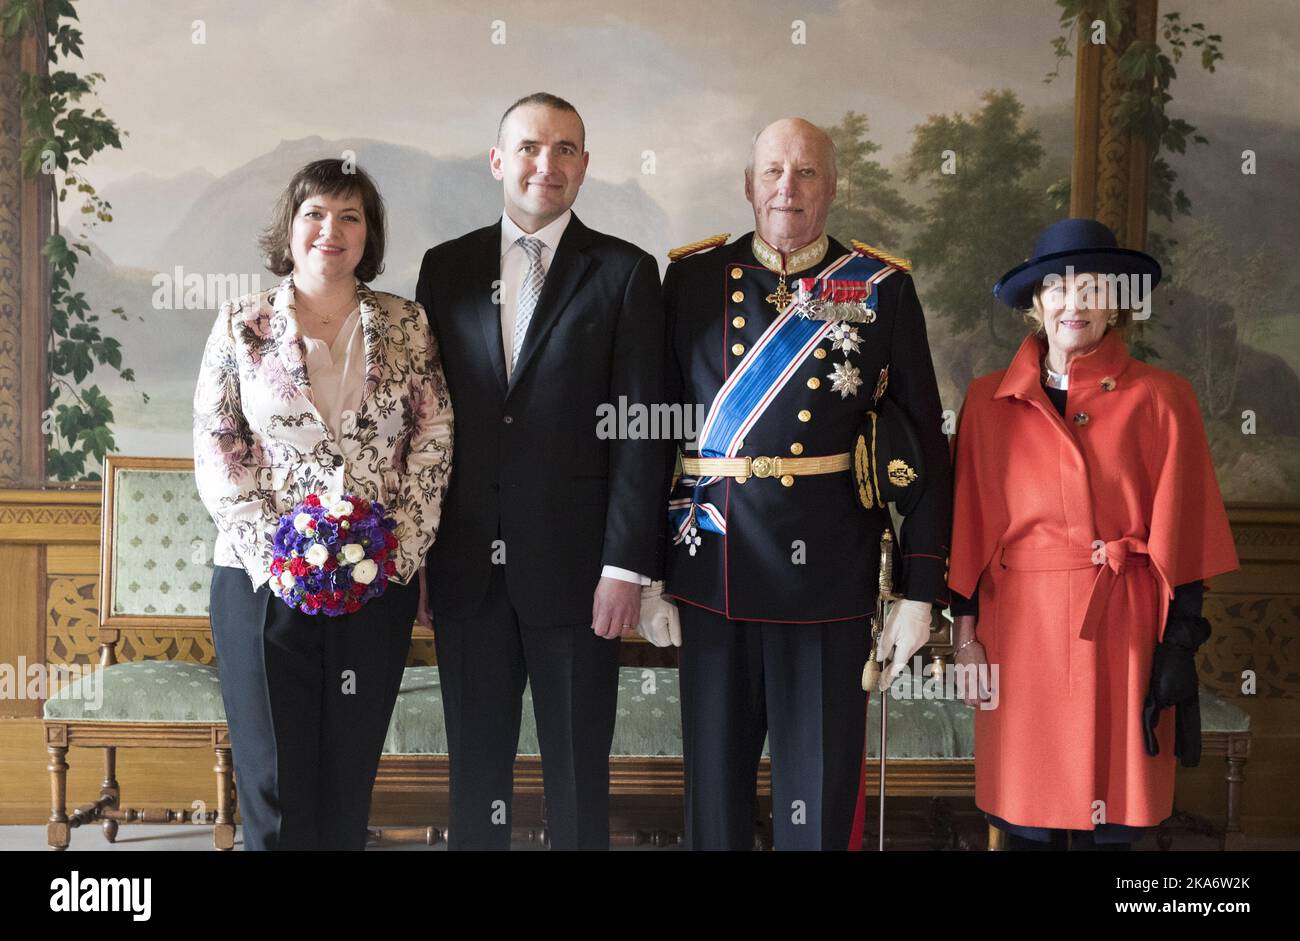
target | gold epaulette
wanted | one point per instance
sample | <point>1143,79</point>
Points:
<point>881,255</point>
<point>713,241</point>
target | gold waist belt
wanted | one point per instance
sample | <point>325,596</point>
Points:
<point>742,468</point>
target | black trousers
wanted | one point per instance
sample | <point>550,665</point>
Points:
<point>308,700</point>
<point>801,686</point>
<point>483,664</point>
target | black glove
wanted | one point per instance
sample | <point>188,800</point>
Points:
<point>1174,683</point>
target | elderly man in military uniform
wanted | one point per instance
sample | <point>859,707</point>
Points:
<point>788,339</point>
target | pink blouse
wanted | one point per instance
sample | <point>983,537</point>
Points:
<point>338,373</point>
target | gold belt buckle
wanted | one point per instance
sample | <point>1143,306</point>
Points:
<point>762,467</point>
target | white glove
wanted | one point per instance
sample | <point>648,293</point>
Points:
<point>660,623</point>
<point>907,630</point>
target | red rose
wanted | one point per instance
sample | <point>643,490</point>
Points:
<point>311,500</point>
<point>277,565</point>
<point>359,589</point>
<point>311,601</point>
<point>390,567</point>
<point>298,566</point>
<point>390,541</point>
<point>380,555</point>
<point>330,564</point>
<point>352,604</point>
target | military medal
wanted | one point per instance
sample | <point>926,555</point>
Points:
<point>781,297</point>
<point>881,384</point>
<point>845,337</point>
<point>845,379</point>
<point>831,299</point>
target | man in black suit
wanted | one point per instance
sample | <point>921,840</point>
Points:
<point>548,530</point>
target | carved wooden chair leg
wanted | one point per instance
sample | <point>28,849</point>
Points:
<point>56,830</point>
<point>1235,775</point>
<point>223,833</point>
<point>109,793</point>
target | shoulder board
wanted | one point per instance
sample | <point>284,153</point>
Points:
<point>862,248</point>
<point>713,241</point>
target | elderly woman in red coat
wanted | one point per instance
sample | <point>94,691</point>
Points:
<point>1086,516</point>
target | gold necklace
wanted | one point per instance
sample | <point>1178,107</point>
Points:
<point>330,319</point>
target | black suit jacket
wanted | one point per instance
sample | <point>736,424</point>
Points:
<point>529,467</point>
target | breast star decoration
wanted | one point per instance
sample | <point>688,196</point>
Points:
<point>845,379</point>
<point>844,336</point>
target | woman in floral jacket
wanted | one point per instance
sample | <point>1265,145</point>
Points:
<point>319,385</point>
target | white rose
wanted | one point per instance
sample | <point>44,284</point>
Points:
<point>353,553</point>
<point>365,571</point>
<point>317,555</point>
<point>287,580</point>
<point>301,521</point>
<point>342,508</point>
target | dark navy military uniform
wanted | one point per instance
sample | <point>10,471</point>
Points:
<point>776,577</point>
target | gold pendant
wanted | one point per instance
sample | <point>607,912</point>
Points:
<point>781,297</point>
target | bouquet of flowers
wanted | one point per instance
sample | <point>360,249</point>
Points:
<point>332,559</point>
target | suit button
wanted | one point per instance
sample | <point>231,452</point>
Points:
<point>737,273</point>
<point>1081,418</point>
<point>338,460</point>
<point>737,296</point>
<point>805,415</point>
<point>787,481</point>
<point>819,353</point>
<point>737,348</point>
<point>796,448</point>
<point>737,322</point>
<point>507,419</point>
<point>1108,384</point>
<point>814,383</point>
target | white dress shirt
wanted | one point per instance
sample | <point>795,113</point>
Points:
<point>337,373</point>
<point>514,265</point>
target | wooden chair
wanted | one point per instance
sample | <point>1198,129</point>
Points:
<point>152,531</point>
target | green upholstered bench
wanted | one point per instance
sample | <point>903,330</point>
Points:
<point>154,582</point>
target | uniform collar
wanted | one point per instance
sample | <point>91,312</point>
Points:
<point>797,260</point>
<point>1023,377</point>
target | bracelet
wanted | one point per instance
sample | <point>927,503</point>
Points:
<point>964,646</point>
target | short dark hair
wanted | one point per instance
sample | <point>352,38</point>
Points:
<point>329,177</point>
<point>546,99</point>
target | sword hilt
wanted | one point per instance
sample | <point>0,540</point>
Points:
<point>886,583</point>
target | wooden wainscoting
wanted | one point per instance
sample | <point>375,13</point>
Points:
<point>49,549</point>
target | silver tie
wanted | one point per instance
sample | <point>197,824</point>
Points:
<point>530,289</point>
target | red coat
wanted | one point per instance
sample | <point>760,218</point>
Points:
<point>1071,628</point>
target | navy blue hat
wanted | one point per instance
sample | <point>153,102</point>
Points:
<point>1084,245</point>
